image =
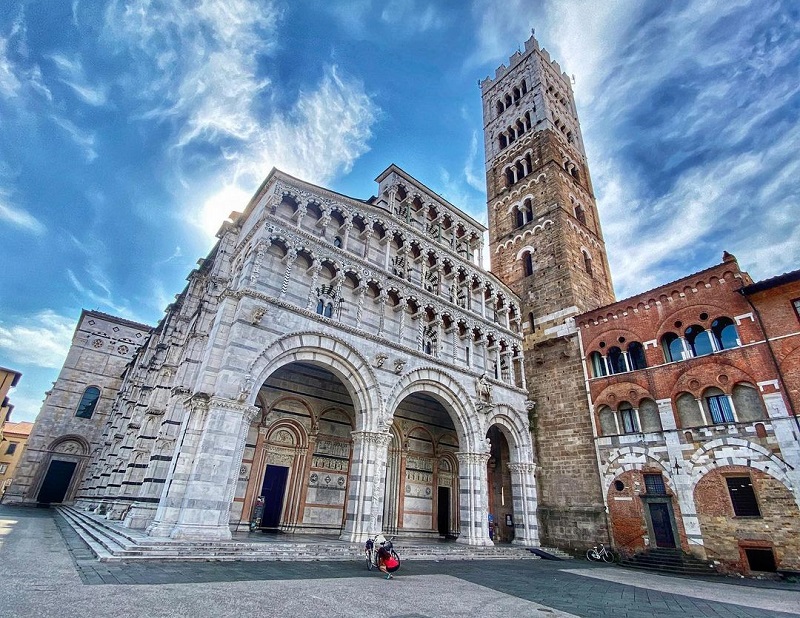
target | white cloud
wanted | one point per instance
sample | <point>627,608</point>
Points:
<point>409,16</point>
<point>682,144</point>
<point>73,75</point>
<point>20,218</point>
<point>40,340</point>
<point>9,82</point>
<point>201,72</point>
<point>84,139</point>
<point>499,23</point>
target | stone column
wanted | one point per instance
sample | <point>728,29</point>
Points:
<point>523,492</point>
<point>205,510</point>
<point>474,498</point>
<point>366,485</point>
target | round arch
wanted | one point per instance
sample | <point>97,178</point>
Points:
<point>447,391</point>
<point>334,355</point>
<point>516,432</point>
<point>633,458</point>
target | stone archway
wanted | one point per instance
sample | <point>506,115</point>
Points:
<point>511,479</point>
<point>298,457</point>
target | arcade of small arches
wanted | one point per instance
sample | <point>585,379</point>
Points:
<point>521,126</point>
<point>695,340</point>
<point>512,97</point>
<point>739,402</point>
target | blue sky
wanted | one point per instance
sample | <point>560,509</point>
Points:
<point>129,129</point>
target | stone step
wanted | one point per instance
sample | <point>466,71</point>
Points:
<point>111,542</point>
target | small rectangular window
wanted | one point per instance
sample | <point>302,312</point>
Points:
<point>11,448</point>
<point>796,305</point>
<point>3,468</point>
<point>654,485</point>
<point>720,407</point>
<point>760,559</point>
<point>743,497</point>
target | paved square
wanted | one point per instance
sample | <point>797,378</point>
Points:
<point>48,571</point>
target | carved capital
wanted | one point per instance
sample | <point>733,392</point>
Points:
<point>249,413</point>
<point>379,439</point>
<point>523,467</point>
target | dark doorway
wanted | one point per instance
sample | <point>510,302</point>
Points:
<point>273,489</point>
<point>662,524</point>
<point>443,514</point>
<point>56,482</point>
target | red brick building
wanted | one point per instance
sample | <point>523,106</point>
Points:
<point>691,389</point>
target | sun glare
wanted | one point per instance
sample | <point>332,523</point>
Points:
<point>217,207</point>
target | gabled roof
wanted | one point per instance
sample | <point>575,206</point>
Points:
<point>772,282</point>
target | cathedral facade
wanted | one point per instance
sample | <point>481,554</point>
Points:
<point>333,366</point>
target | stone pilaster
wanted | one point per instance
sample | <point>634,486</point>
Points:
<point>474,498</point>
<point>523,491</point>
<point>366,486</point>
<point>207,500</point>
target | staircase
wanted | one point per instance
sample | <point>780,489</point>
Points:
<point>672,561</point>
<point>110,542</point>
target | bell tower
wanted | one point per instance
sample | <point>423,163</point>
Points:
<point>545,243</point>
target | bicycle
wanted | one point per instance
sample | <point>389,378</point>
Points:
<point>601,552</point>
<point>371,550</point>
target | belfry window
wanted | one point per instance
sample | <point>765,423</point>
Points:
<point>527,260</point>
<point>88,402</point>
<point>587,263</point>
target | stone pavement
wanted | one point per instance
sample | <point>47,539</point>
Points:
<point>48,571</point>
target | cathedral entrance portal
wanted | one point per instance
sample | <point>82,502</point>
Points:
<point>298,453</point>
<point>273,490</point>
<point>422,471</point>
<point>56,482</point>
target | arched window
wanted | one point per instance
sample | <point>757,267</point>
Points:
<point>725,333</point>
<point>527,260</point>
<point>587,262</point>
<point>337,241</point>
<point>699,341</point>
<point>718,405</point>
<point>598,366</point>
<point>748,403</point>
<point>608,425</point>
<point>520,217</point>
<point>672,346</point>
<point>636,356</point>
<point>616,360</point>
<point>88,402</point>
<point>328,311</point>
<point>320,306</point>
<point>627,417</point>
<point>580,213</point>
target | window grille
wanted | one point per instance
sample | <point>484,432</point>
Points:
<point>743,497</point>
<point>654,484</point>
